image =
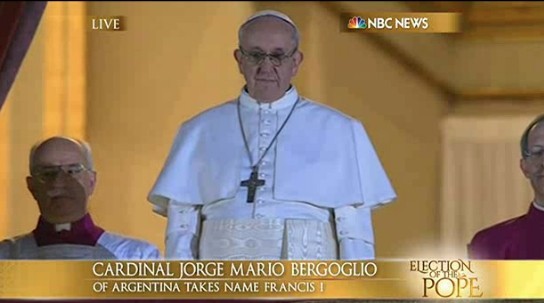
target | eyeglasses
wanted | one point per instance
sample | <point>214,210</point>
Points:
<point>535,156</point>
<point>258,57</point>
<point>47,174</point>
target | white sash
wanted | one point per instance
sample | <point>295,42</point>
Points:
<point>267,239</point>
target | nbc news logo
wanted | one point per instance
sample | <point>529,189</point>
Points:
<point>388,23</point>
<point>396,22</point>
<point>356,23</point>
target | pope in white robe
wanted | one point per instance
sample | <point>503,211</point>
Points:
<point>318,176</point>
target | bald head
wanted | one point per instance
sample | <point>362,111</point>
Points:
<point>62,146</point>
<point>61,178</point>
<point>524,142</point>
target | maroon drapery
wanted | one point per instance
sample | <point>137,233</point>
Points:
<point>18,24</point>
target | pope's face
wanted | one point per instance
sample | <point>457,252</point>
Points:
<point>533,166</point>
<point>268,77</point>
<point>60,181</point>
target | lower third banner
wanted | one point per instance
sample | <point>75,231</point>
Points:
<point>410,279</point>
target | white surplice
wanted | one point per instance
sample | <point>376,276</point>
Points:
<point>109,246</point>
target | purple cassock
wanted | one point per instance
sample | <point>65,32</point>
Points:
<point>520,238</point>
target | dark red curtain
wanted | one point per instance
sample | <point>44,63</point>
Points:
<point>18,24</point>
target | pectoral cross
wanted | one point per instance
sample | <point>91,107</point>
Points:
<point>252,183</point>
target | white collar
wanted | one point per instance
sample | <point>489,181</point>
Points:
<point>539,207</point>
<point>63,226</point>
<point>286,101</point>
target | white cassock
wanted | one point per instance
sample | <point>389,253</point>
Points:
<point>109,246</point>
<point>322,180</point>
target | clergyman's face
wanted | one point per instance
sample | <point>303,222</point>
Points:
<point>533,166</point>
<point>60,181</point>
<point>269,79</point>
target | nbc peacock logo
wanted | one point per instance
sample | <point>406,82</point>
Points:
<point>357,23</point>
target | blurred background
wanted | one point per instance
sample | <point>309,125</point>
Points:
<point>444,111</point>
